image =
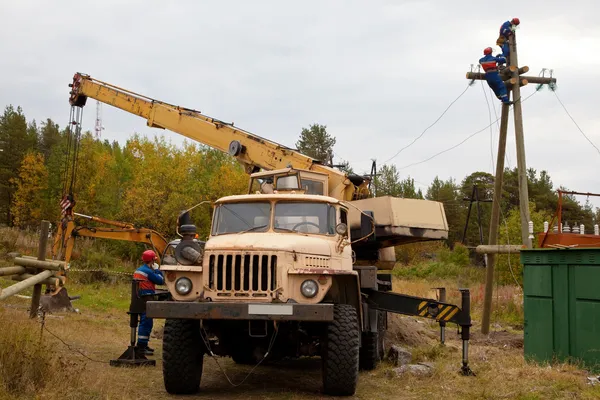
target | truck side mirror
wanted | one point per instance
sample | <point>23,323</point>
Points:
<point>367,221</point>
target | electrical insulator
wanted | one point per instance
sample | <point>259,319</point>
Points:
<point>530,229</point>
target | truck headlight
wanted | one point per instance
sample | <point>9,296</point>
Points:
<point>183,285</point>
<point>309,288</point>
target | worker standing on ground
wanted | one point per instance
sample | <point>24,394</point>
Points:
<point>506,30</point>
<point>148,276</point>
<point>489,63</point>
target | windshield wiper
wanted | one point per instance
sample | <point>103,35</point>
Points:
<point>286,230</point>
<point>254,228</point>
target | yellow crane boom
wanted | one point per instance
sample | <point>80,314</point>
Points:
<point>253,151</point>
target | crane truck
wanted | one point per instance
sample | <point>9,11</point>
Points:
<point>291,268</point>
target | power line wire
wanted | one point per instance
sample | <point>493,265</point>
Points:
<point>577,125</point>
<point>426,129</point>
<point>461,142</point>
<point>491,123</point>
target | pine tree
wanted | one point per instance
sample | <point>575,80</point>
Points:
<point>315,142</point>
<point>16,139</point>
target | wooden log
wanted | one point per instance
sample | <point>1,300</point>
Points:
<point>498,249</point>
<point>510,81</point>
<point>530,79</point>
<point>53,280</point>
<point>27,283</point>
<point>522,82</point>
<point>33,263</point>
<point>507,72</point>
<point>11,271</point>
<point>523,70</point>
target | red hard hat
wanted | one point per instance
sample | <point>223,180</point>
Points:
<point>487,50</point>
<point>515,21</point>
<point>148,256</point>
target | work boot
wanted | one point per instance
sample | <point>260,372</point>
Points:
<point>145,350</point>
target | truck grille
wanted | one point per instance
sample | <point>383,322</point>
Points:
<point>316,262</point>
<point>242,275</point>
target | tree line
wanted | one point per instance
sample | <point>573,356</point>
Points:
<point>148,181</point>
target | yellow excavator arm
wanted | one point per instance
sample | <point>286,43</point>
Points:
<point>254,152</point>
<point>68,231</point>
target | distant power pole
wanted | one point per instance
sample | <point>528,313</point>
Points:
<point>513,81</point>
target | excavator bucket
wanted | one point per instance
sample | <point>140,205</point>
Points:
<point>58,301</point>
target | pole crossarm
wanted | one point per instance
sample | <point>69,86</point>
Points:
<point>530,79</point>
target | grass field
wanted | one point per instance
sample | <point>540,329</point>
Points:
<point>36,364</point>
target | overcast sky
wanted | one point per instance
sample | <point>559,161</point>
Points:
<point>377,73</point>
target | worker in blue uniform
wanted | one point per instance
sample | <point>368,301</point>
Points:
<point>489,63</point>
<point>148,276</point>
<point>506,30</point>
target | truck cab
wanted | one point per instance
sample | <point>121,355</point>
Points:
<point>265,248</point>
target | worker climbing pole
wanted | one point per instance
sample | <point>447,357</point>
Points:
<point>506,30</point>
<point>490,65</point>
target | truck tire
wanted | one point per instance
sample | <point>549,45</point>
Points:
<point>183,356</point>
<point>369,351</point>
<point>340,351</point>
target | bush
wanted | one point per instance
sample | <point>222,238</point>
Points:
<point>453,264</point>
<point>8,240</point>
<point>417,252</point>
<point>26,365</point>
<point>458,256</point>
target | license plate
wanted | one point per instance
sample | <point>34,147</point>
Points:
<point>270,309</point>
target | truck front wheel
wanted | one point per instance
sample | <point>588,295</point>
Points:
<point>340,349</point>
<point>183,356</point>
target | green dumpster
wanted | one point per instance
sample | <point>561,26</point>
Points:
<point>562,305</point>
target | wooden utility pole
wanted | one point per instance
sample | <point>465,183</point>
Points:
<point>520,140</point>
<point>37,288</point>
<point>494,221</point>
<point>514,84</point>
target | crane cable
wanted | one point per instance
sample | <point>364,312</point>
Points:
<point>73,146</point>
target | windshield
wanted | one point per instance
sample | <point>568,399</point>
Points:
<point>240,217</point>
<point>304,217</point>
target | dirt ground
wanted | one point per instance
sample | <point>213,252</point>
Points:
<point>88,340</point>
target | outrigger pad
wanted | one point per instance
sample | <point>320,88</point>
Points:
<point>132,358</point>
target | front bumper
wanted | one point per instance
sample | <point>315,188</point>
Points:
<point>240,311</point>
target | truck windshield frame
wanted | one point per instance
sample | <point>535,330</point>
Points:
<point>315,218</point>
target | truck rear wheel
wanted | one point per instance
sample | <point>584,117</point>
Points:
<point>183,356</point>
<point>340,351</point>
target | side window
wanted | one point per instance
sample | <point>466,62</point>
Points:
<point>312,187</point>
<point>343,217</point>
